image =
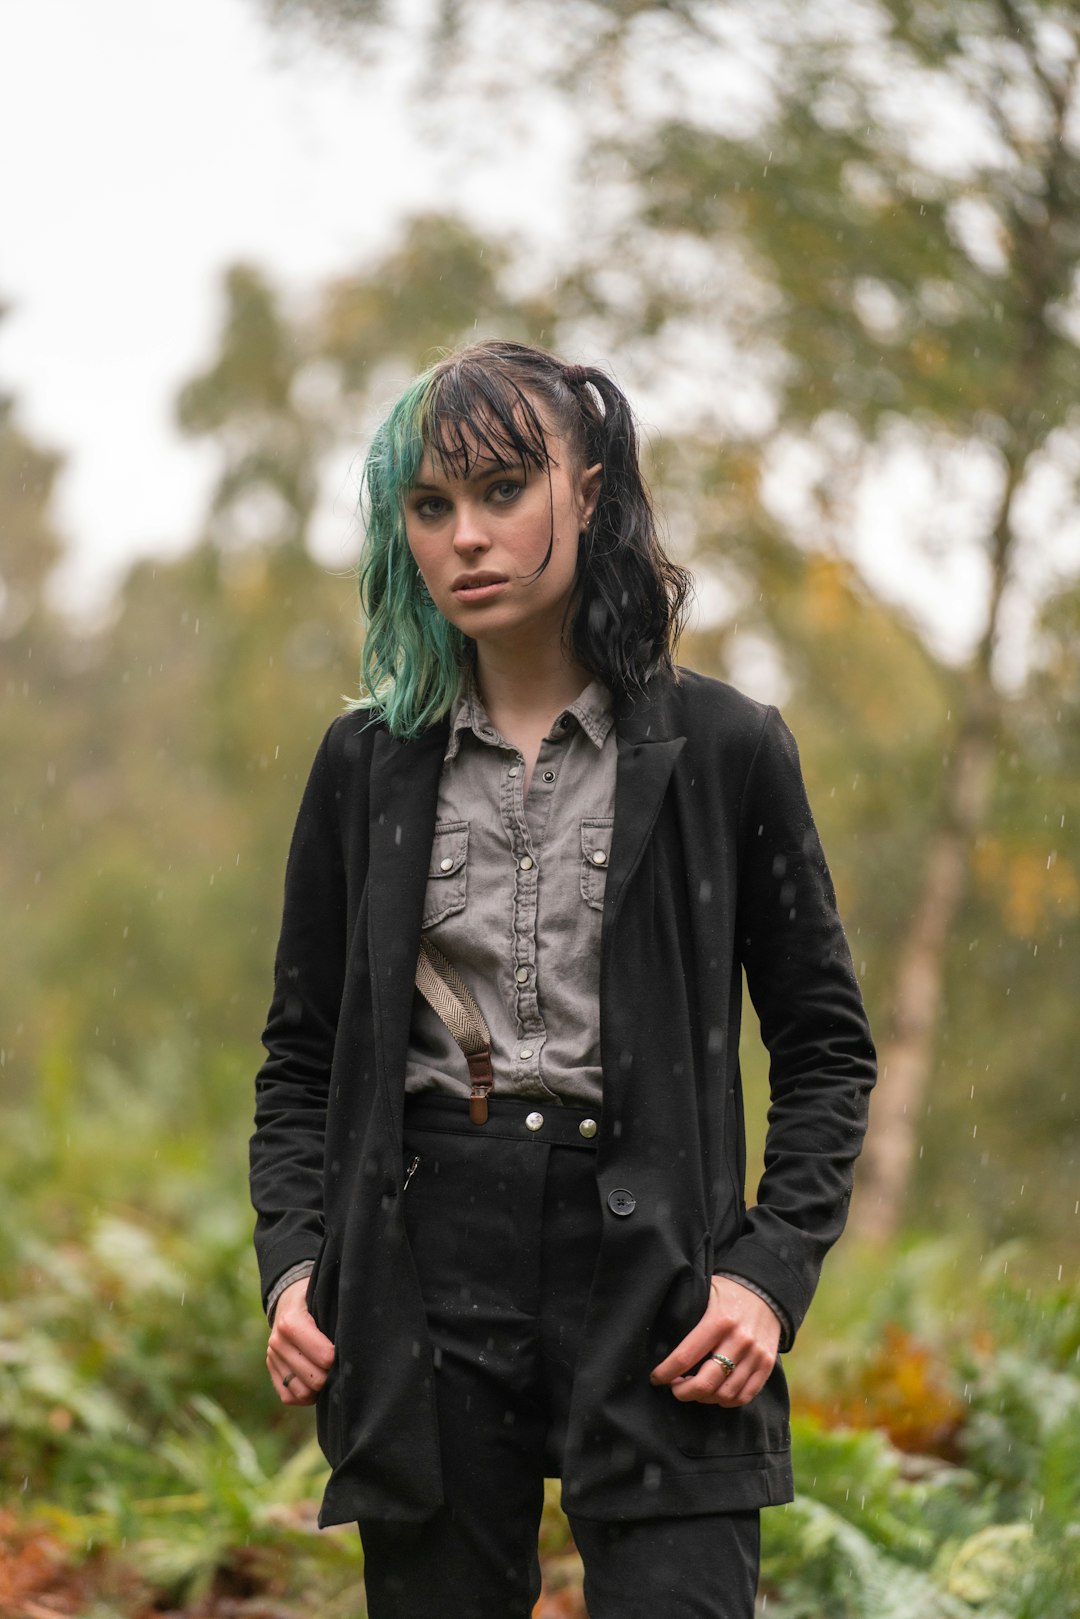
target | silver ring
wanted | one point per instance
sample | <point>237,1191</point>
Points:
<point>287,1379</point>
<point>722,1360</point>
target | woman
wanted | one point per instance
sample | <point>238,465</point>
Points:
<point>488,1268</point>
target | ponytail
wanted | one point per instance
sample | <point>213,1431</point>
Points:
<point>632,599</point>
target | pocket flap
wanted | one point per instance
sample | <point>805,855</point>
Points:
<point>448,851</point>
<point>596,842</point>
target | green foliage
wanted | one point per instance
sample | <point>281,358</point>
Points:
<point>135,1413</point>
<point>876,1532</point>
<point>136,1418</point>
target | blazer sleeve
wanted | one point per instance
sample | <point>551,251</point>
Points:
<point>822,1061</point>
<point>292,1086</point>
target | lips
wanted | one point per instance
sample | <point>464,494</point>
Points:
<point>473,586</point>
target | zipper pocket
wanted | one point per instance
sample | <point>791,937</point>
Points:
<point>410,1172</point>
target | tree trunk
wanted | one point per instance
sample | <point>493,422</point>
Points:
<point>907,1051</point>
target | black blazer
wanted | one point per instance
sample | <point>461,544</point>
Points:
<point>715,868</point>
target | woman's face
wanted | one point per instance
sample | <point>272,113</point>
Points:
<point>479,540</point>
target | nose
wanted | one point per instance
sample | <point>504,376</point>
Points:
<point>469,531</point>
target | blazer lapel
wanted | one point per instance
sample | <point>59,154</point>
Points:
<point>649,745</point>
<point>403,804</point>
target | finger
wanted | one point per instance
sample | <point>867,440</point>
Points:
<point>716,1384</point>
<point>290,1391</point>
<point>297,1381</point>
<point>713,1378</point>
<point>754,1362</point>
<point>687,1355</point>
<point>296,1330</point>
<point>706,1384</point>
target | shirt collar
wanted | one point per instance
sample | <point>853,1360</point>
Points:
<point>592,710</point>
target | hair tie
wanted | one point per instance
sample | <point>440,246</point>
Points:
<point>576,375</point>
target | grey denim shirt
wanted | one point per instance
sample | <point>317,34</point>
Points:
<point>514,899</point>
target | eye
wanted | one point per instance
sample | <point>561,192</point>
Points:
<point>504,491</point>
<point>430,506</point>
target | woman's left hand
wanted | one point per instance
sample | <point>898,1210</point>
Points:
<point>738,1325</point>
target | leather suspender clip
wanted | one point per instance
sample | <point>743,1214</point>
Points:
<point>482,1076</point>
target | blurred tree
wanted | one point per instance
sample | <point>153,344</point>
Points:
<point>247,399</point>
<point>29,543</point>
<point>875,236</point>
<point>37,666</point>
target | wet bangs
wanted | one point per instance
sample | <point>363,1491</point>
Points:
<point>472,415</point>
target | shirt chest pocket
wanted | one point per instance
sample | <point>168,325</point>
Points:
<point>447,872</point>
<point>595,855</point>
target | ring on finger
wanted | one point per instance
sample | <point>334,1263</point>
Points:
<point>722,1360</point>
<point>287,1379</point>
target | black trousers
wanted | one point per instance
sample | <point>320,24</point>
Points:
<point>504,1222</point>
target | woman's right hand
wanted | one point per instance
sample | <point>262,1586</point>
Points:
<point>298,1356</point>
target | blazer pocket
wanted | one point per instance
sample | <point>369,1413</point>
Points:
<point>701,1431</point>
<point>747,1430</point>
<point>447,873</point>
<point>595,855</point>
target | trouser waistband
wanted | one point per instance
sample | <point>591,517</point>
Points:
<point>509,1119</point>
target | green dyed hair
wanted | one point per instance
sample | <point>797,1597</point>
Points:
<point>412,659</point>
<point>484,403</point>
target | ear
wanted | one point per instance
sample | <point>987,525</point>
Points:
<point>589,490</point>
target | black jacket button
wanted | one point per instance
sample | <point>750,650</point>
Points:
<point>621,1201</point>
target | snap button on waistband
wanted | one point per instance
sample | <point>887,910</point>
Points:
<point>534,1121</point>
<point>587,1128</point>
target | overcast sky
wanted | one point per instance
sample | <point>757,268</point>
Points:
<point>147,146</point>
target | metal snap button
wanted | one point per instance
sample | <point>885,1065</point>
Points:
<point>599,858</point>
<point>512,771</point>
<point>526,862</point>
<point>526,1054</point>
<point>522,975</point>
<point>446,865</point>
<point>621,1201</point>
<point>549,775</point>
<point>534,1121</point>
<point>587,1128</point>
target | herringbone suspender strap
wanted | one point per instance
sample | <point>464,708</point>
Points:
<point>451,999</point>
